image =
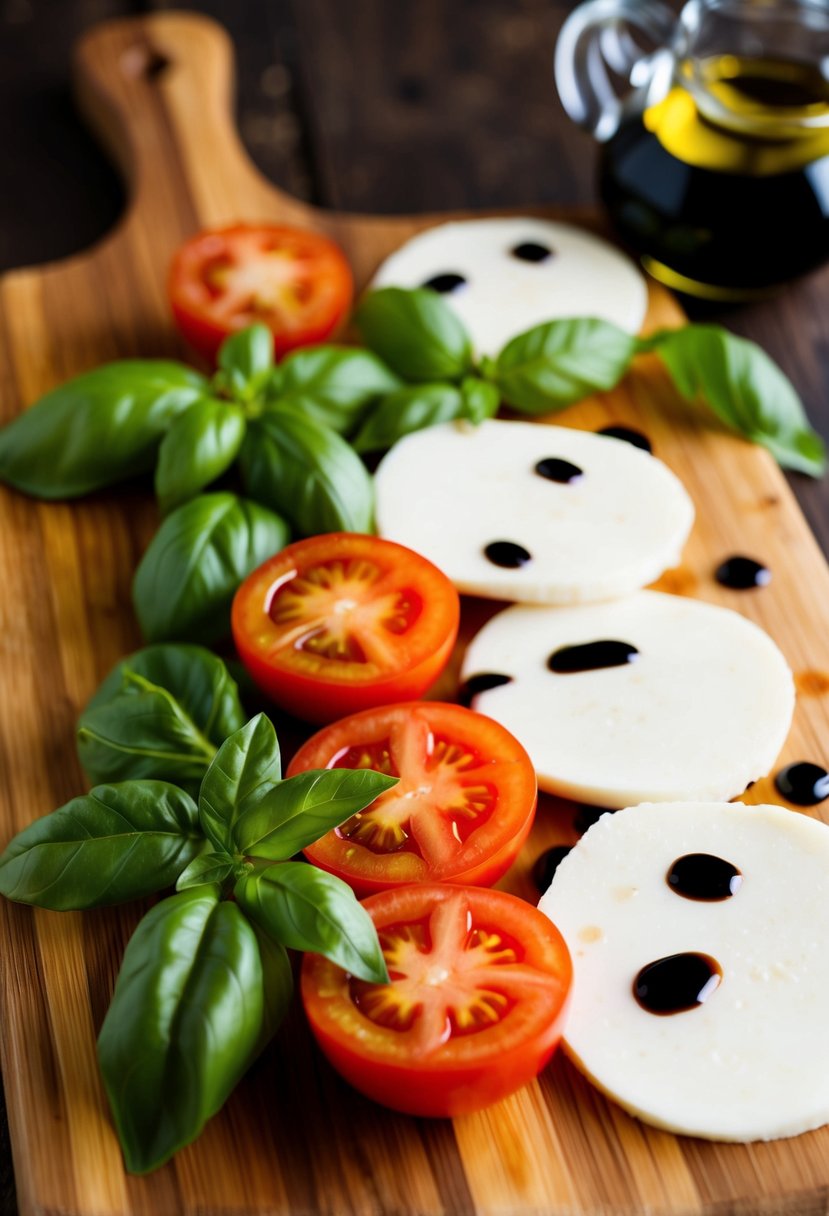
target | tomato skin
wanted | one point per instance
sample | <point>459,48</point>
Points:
<point>446,1082</point>
<point>323,692</point>
<point>488,853</point>
<point>314,263</point>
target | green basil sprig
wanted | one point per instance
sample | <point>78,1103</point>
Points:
<point>744,388</point>
<point>184,1023</point>
<point>554,365</point>
<point>200,445</point>
<point>187,578</point>
<point>117,842</point>
<point>161,712</point>
<point>308,909</point>
<point>416,334</point>
<point>333,385</point>
<point>424,405</point>
<point>306,472</point>
<point>97,429</point>
<point>205,979</point>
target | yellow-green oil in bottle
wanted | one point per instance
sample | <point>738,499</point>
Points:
<point>723,186</point>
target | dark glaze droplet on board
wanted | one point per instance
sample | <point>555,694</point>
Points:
<point>804,784</point>
<point>553,468</point>
<point>507,554</point>
<point>742,573</point>
<point>531,251</point>
<point>478,684</point>
<point>547,863</point>
<point>591,656</point>
<point>445,283</point>
<point>677,983</point>
<point>628,435</point>
<point>704,877</point>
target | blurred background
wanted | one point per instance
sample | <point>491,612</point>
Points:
<point>377,105</point>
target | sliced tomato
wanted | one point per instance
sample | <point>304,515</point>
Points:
<point>474,1010</point>
<point>296,282</point>
<point>342,622</point>
<point>461,811</point>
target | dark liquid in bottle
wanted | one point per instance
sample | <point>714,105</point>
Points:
<point>720,192</point>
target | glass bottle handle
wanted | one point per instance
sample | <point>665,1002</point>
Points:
<point>597,37</point>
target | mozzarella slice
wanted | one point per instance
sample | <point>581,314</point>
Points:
<point>451,491</point>
<point>498,293</point>
<point>702,709</point>
<point>749,1063</point>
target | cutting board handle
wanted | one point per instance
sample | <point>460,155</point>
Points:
<point>158,91</point>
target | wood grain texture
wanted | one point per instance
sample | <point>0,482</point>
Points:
<point>293,1138</point>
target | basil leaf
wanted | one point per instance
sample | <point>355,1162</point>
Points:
<point>97,429</point>
<point>745,389</point>
<point>308,909</point>
<point>480,399</point>
<point>277,986</point>
<point>333,384</point>
<point>161,712</point>
<point>300,810</point>
<point>184,1022</point>
<point>559,363</point>
<point>187,578</point>
<point>408,410</point>
<point>307,472</point>
<point>246,768</point>
<point>246,358</point>
<point>423,405</point>
<point>115,843</point>
<point>199,446</point>
<point>415,333</point>
<point>208,868</point>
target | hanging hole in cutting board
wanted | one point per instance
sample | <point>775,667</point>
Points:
<point>145,61</point>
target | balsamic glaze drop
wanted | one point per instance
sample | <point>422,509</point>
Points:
<point>591,656</point>
<point>742,573</point>
<point>482,683</point>
<point>553,468</point>
<point>445,283</point>
<point>531,251</point>
<point>547,863</point>
<point>677,983</point>
<point>705,877</point>
<point>628,435</point>
<point>507,554</point>
<point>804,784</point>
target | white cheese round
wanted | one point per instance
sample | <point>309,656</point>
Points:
<point>450,491</point>
<point>503,295</point>
<point>702,709</point>
<point>749,1063</point>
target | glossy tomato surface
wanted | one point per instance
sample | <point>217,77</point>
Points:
<point>296,282</point>
<point>342,622</point>
<point>475,1007</point>
<point>461,811</point>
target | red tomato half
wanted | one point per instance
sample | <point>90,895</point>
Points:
<point>296,282</point>
<point>343,622</point>
<point>474,1010</point>
<point>461,811</point>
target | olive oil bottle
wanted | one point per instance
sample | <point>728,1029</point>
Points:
<point>722,186</point>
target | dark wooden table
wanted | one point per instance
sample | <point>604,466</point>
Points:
<point>374,105</point>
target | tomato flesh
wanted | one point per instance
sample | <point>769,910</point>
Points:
<point>296,282</point>
<point>462,808</point>
<point>474,1010</point>
<point>342,622</point>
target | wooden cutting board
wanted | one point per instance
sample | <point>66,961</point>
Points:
<point>293,1138</point>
